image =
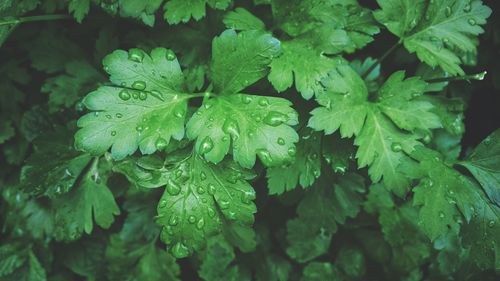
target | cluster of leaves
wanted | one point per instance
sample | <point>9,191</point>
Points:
<point>244,140</point>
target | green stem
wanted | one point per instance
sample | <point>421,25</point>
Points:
<point>477,76</point>
<point>35,18</point>
<point>379,61</point>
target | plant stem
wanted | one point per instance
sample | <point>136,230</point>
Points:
<point>35,18</point>
<point>477,76</point>
<point>382,58</point>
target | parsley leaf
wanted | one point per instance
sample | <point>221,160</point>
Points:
<point>177,11</point>
<point>134,114</point>
<point>437,31</point>
<point>484,164</point>
<point>239,60</point>
<point>382,128</point>
<point>199,198</point>
<point>256,125</point>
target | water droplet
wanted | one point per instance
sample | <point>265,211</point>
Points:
<point>316,173</point>
<point>179,113</point>
<point>170,55</point>
<point>396,147</point>
<point>246,99</point>
<point>491,223</point>
<point>173,188</point>
<point>427,138</point>
<point>224,203</point>
<point>157,95</point>
<point>136,55</point>
<point>263,101</point>
<point>203,176</point>
<point>281,141</point>
<point>173,221</point>
<point>143,95</point>
<point>135,95</point>
<point>231,215</point>
<point>292,151</point>
<point>206,145</point>
<point>178,174</point>
<point>200,190</point>
<point>200,224</point>
<point>191,219</point>
<point>441,215</point>
<point>211,212</point>
<point>108,116</point>
<point>119,115</point>
<point>113,133</point>
<point>161,143</point>
<point>275,118</point>
<point>139,128</point>
<point>265,157</point>
<point>124,94</point>
<point>472,22</point>
<point>180,251</point>
<point>231,127</point>
<point>447,11</point>
<point>163,203</point>
<point>467,8</point>
<point>313,156</point>
<point>340,169</point>
<point>139,85</point>
<point>247,197</point>
<point>446,40</point>
<point>211,189</point>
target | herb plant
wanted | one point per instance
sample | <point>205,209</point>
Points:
<point>249,140</point>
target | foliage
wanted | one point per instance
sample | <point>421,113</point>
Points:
<point>248,140</point>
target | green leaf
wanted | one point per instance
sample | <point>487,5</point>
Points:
<point>382,128</point>
<point>343,104</point>
<point>66,89</point>
<point>304,170</point>
<point>55,166</point>
<point>218,262</point>
<point>177,11</point>
<point>144,261</point>
<point>319,271</point>
<point>323,207</point>
<point>484,164</point>
<point>199,199</point>
<point>301,63</point>
<point>437,31</point>
<point>242,19</point>
<point>144,110</point>
<point>239,60</point>
<point>254,125</point>
<point>91,201</point>
<point>6,131</point>
<point>79,8</point>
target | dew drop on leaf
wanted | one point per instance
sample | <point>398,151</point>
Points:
<point>292,151</point>
<point>491,223</point>
<point>163,203</point>
<point>161,143</point>
<point>206,145</point>
<point>124,94</point>
<point>139,128</point>
<point>191,219</point>
<point>157,95</point>
<point>281,141</point>
<point>180,250</point>
<point>139,85</point>
<point>113,133</point>
<point>143,95</point>
<point>263,101</point>
<point>265,157</point>
<point>135,55</point>
<point>211,189</point>
<point>203,176</point>
<point>275,118</point>
<point>200,190</point>
<point>119,115</point>
<point>396,147</point>
<point>200,224</point>
<point>447,11</point>
<point>173,188</point>
<point>224,203</point>
<point>173,221</point>
<point>170,55</point>
<point>231,127</point>
<point>472,22</point>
